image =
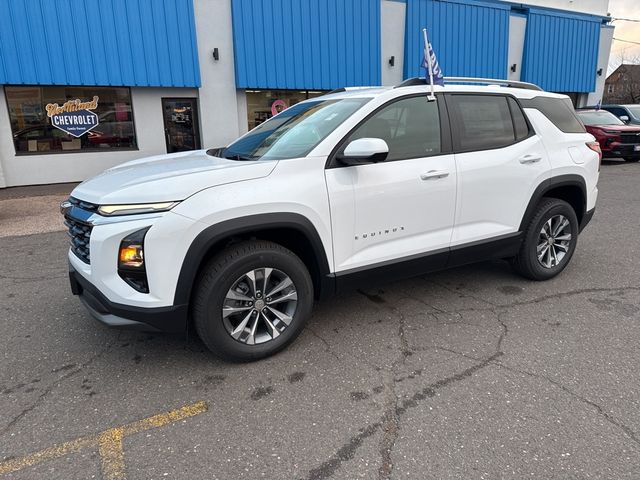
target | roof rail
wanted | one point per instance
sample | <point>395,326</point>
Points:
<point>351,89</point>
<point>494,81</point>
<point>489,81</point>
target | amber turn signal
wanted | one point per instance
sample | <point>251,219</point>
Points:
<point>131,256</point>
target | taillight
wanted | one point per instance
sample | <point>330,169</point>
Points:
<point>595,146</point>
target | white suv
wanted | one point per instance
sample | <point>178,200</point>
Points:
<point>358,186</point>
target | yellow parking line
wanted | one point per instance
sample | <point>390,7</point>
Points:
<point>112,455</point>
<point>109,443</point>
<point>47,454</point>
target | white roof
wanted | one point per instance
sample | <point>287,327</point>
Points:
<point>370,92</point>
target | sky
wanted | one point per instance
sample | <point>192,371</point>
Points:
<point>625,31</point>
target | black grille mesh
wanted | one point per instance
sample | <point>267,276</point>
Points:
<point>630,138</point>
<point>80,232</point>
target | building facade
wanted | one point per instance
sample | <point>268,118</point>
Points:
<point>86,85</point>
<point>623,85</point>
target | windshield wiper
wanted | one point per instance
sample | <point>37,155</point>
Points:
<point>241,158</point>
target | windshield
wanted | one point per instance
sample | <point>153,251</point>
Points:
<point>634,109</point>
<point>295,131</point>
<point>599,118</point>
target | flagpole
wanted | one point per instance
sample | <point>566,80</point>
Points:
<point>428,55</point>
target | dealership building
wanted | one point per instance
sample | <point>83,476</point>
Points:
<point>86,85</point>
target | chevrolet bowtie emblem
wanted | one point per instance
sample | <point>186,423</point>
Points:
<point>64,206</point>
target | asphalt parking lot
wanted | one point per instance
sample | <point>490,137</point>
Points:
<point>470,373</point>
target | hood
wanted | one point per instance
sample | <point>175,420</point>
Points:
<point>618,128</point>
<point>167,178</point>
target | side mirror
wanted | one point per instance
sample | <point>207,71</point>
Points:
<point>624,118</point>
<point>363,151</point>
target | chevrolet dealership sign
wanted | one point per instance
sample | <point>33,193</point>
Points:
<point>74,117</point>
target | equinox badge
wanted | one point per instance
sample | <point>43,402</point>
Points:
<point>386,231</point>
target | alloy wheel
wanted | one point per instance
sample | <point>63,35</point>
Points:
<point>554,241</point>
<point>259,306</point>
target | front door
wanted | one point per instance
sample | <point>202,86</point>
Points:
<point>181,127</point>
<point>402,207</point>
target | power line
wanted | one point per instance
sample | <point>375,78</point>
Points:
<point>626,41</point>
<point>625,20</point>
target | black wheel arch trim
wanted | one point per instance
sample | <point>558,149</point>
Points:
<point>569,180</point>
<point>227,229</point>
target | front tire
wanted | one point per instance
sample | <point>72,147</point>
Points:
<point>549,241</point>
<point>632,159</point>
<point>252,300</point>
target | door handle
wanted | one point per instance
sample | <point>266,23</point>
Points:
<point>434,174</point>
<point>530,158</point>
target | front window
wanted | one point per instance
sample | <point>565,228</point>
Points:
<point>410,127</point>
<point>295,131</point>
<point>599,118</point>
<point>65,119</point>
<point>634,110</point>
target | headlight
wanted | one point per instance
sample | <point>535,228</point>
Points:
<point>131,267</point>
<point>136,208</point>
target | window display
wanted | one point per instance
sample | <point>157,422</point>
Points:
<point>264,104</point>
<point>59,118</point>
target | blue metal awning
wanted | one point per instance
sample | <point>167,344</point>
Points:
<point>470,38</point>
<point>98,42</point>
<point>561,51</point>
<point>306,44</point>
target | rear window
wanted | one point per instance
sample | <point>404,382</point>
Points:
<point>484,122</point>
<point>559,111</point>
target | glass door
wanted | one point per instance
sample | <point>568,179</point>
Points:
<point>181,126</point>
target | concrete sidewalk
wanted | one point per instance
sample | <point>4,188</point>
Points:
<point>33,209</point>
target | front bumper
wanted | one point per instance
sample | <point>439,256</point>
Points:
<point>171,319</point>
<point>621,150</point>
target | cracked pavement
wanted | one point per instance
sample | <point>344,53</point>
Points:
<point>470,373</point>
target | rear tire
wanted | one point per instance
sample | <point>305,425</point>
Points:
<point>632,159</point>
<point>549,241</point>
<point>252,300</point>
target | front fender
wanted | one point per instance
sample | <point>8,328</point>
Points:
<point>215,234</point>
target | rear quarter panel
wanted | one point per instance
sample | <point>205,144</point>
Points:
<point>568,153</point>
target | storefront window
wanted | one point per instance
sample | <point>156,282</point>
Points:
<point>264,104</point>
<point>55,119</point>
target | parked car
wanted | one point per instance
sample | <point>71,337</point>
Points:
<point>629,114</point>
<point>615,138</point>
<point>352,188</point>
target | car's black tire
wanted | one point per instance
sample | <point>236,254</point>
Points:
<point>527,263</point>
<point>223,272</point>
<point>632,159</point>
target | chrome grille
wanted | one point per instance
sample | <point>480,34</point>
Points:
<point>79,231</point>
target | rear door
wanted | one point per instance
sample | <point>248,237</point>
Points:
<point>500,161</point>
<point>404,206</point>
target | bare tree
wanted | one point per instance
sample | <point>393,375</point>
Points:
<point>623,85</point>
<point>623,58</point>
